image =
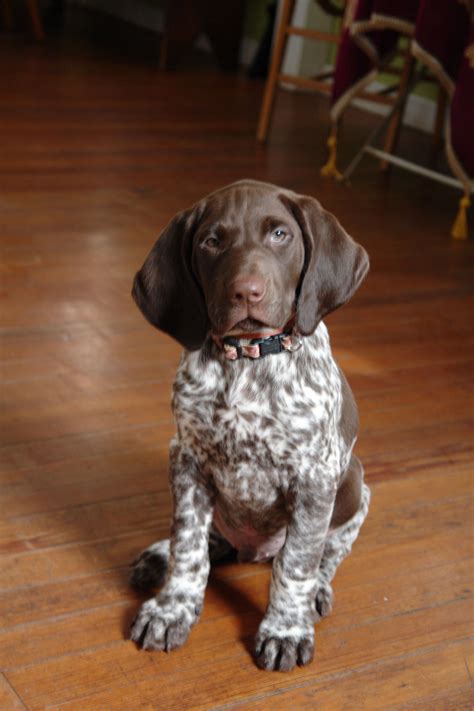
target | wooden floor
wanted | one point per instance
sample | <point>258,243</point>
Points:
<point>98,150</point>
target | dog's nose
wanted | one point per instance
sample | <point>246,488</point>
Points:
<point>250,289</point>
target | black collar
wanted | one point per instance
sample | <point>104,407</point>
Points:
<point>235,348</point>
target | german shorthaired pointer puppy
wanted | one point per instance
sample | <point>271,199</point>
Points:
<point>262,462</point>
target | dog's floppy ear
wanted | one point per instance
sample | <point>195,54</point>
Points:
<point>165,288</point>
<point>334,268</point>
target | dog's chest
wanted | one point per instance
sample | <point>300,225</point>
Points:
<point>250,425</point>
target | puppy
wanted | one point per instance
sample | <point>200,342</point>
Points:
<point>262,461</point>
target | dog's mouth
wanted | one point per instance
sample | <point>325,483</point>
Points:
<point>254,322</point>
<point>252,328</point>
<point>249,324</point>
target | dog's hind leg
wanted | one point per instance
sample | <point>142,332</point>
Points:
<point>149,569</point>
<point>339,542</point>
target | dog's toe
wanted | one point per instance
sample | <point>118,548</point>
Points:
<point>324,600</point>
<point>176,635</point>
<point>162,626</point>
<point>283,654</point>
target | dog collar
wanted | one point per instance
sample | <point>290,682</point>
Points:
<point>255,346</point>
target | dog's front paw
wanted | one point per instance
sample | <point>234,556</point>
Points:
<point>280,646</point>
<point>163,625</point>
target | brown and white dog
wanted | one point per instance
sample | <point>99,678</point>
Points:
<point>262,462</point>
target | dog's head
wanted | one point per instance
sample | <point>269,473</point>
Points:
<point>249,257</point>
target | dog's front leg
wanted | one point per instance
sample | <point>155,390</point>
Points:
<point>164,622</point>
<point>286,634</point>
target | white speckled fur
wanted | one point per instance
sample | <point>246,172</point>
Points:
<point>264,447</point>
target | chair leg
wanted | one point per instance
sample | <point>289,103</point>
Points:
<point>393,130</point>
<point>370,142</point>
<point>35,19</point>
<point>272,80</point>
<point>440,115</point>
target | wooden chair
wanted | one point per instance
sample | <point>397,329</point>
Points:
<point>285,30</point>
<point>319,82</point>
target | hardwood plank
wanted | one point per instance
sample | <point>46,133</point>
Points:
<point>460,700</point>
<point>403,378</point>
<point>29,454</point>
<point>121,680</point>
<point>79,342</point>
<point>395,683</point>
<point>9,699</point>
<point>46,488</point>
<point>414,449</point>
<point>108,519</point>
<point>87,578</point>
<point>87,414</point>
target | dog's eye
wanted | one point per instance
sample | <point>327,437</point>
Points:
<point>211,242</point>
<point>278,235</point>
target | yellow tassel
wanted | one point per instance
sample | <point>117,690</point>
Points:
<point>330,170</point>
<point>459,228</point>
